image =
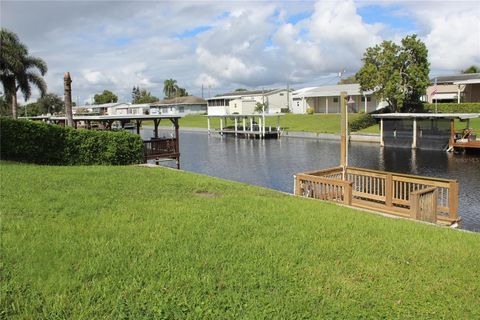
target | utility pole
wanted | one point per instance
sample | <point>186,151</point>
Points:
<point>67,85</point>
<point>202,90</point>
<point>344,136</point>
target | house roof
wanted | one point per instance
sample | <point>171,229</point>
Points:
<point>104,105</point>
<point>179,100</point>
<point>239,94</point>
<point>456,78</point>
<point>461,116</point>
<point>329,91</point>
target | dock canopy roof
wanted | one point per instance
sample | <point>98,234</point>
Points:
<point>461,116</point>
<point>119,117</point>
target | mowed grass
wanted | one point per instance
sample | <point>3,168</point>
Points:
<point>319,123</point>
<point>145,243</point>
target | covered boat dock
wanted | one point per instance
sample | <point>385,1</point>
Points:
<point>157,148</point>
<point>435,131</point>
<point>249,126</point>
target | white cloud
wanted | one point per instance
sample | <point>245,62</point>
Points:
<point>451,32</point>
<point>118,45</point>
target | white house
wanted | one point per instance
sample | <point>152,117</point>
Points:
<point>456,88</point>
<point>102,109</point>
<point>179,105</point>
<point>142,108</point>
<point>244,102</point>
<point>326,99</point>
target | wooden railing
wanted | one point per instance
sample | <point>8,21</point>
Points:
<point>160,147</point>
<point>387,191</point>
<point>323,188</point>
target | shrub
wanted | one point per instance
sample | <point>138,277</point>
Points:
<point>42,143</point>
<point>364,120</point>
<point>310,110</point>
<point>451,107</point>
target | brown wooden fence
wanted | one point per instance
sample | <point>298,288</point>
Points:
<point>395,193</point>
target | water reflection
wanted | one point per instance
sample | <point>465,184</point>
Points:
<point>272,163</point>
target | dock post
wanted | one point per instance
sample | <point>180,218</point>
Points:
<point>382,144</point>
<point>139,124</point>
<point>414,142</point>
<point>260,127</point>
<point>208,125</point>
<point>156,122</point>
<point>221,126</point>
<point>236,125</point>
<point>452,133</point>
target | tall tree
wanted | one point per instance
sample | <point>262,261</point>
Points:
<point>135,94</point>
<point>19,70</point>
<point>143,96</point>
<point>181,92</point>
<point>50,103</point>
<point>348,80</point>
<point>105,97</point>
<point>398,74</point>
<point>170,88</point>
<point>472,69</point>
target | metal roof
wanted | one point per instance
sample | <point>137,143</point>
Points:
<point>179,101</point>
<point>456,78</point>
<point>461,116</point>
<point>118,117</point>
<point>238,94</point>
<point>329,91</point>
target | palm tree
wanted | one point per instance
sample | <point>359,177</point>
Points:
<point>18,70</point>
<point>170,88</point>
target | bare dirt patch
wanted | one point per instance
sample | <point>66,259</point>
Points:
<point>207,194</point>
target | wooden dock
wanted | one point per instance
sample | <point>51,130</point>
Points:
<point>422,198</point>
<point>157,148</point>
<point>409,196</point>
<point>247,126</point>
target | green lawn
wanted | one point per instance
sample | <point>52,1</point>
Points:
<point>143,243</point>
<point>320,123</point>
<point>291,122</point>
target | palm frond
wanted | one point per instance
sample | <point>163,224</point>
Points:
<point>34,62</point>
<point>38,82</point>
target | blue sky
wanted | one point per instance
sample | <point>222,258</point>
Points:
<point>224,45</point>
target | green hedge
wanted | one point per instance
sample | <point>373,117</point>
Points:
<point>365,120</point>
<point>42,143</point>
<point>464,107</point>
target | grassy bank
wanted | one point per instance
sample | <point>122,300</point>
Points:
<point>131,242</point>
<point>291,122</point>
<point>320,123</point>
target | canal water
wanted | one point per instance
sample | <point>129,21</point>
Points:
<point>272,163</point>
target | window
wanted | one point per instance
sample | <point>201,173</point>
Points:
<point>298,104</point>
<point>281,94</point>
<point>181,109</point>
<point>335,100</point>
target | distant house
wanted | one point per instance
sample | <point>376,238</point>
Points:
<point>102,109</point>
<point>142,108</point>
<point>456,88</point>
<point>326,99</point>
<point>179,105</point>
<point>244,102</point>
